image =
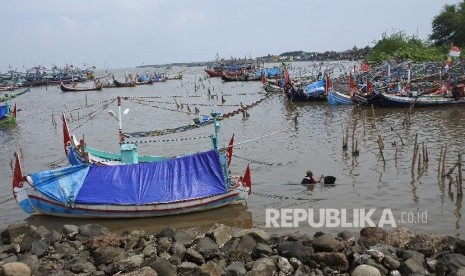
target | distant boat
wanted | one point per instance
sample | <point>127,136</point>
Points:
<point>67,88</point>
<point>386,100</point>
<point>214,73</point>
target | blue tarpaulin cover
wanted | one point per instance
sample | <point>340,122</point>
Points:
<point>317,87</point>
<point>3,111</point>
<point>194,176</point>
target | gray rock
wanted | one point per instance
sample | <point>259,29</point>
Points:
<point>336,261</point>
<point>395,273</point>
<point>165,256</point>
<point>412,267</point>
<point>293,249</point>
<point>365,270</point>
<point>264,265</point>
<point>144,271</point>
<point>220,233</point>
<point>135,239</point>
<point>164,244</point>
<point>459,247</point>
<point>246,244</point>
<point>450,262</point>
<point>62,273</point>
<point>178,249</point>
<point>211,269</point>
<point>15,269</point>
<point>284,266</point>
<point>184,237</point>
<point>262,250</point>
<point>149,250</point>
<point>9,259</point>
<point>346,235</point>
<point>411,254</point>
<point>31,261</point>
<point>163,268</point>
<point>257,234</point>
<point>391,263</point>
<point>207,248</point>
<point>175,260</point>
<point>92,230</point>
<point>52,237</point>
<point>188,269</point>
<point>83,267</point>
<point>42,231</point>
<point>431,264</point>
<point>107,254</point>
<point>380,267</point>
<point>39,247</point>
<point>131,263</point>
<point>326,243</point>
<point>359,259</point>
<point>302,271</point>
<point>236,269</point>
<point>64,248</point>
<point>192,255</point>
<point>372,235</point>
<point>386,249</point>
<point>295,262</point>
<point>460,272</point>
<point>428,244</point>
<point>375,255</point>
<point>400,237</point>
<point>168,232</point>
<point>70,231</point>
<point>20,234</point>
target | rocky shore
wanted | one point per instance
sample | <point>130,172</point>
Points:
<point>94,250</point>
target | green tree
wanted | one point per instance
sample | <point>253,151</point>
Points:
<point>449,25</point>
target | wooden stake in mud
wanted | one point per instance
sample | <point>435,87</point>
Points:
<point>380,141</point>
<point>419,163</point>
<point>459,183</point>
<point>439,163</point>
<point>354,146</point>
<point>443,170</point>
<point>415,152</point>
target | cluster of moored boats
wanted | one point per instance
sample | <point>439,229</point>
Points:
<point>403,84</point>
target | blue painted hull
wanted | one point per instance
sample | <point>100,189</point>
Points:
<point>337,98</point>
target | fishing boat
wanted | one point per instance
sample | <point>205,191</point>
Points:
<point>387,100</point>
<point>180,185</point>
<point>78,153</point>
<point>7,116</point>
<point>338,98</point>
<point>74,88</point>
<point>214,73</point>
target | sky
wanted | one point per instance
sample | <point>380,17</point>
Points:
<point>128,33</point>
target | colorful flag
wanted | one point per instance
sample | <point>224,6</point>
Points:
<point>364,67</point>
<point>454,51</point>
<point>287,79</point>
<point>229,151</point>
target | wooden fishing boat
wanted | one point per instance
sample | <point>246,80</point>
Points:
<point>181,185</point>
<point>124,84</point>
<point>67,88</point>
<point>214,73</point>
<point>387,100</point>
<point>338,98</point>
<point>7,116</point>
<point>78,153</point>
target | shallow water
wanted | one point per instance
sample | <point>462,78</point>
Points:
<point>278,162</point>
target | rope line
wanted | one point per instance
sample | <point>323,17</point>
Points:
<point>167,140</point>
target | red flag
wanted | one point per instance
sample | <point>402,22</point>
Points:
<point>66,136</point>
<point>287,79</point>
<point>364,67</point>
<point>369,87</point>
<point>14,112</point>
<point>229,151</point>
<point>351,85</point>
<point>246,180</point>
<point>18,174</point>
<point>263,78</point>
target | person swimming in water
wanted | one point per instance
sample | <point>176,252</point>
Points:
<point>310,180</point>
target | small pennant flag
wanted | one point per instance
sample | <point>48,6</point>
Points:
<point>247,181</point>
<point>229,151</point>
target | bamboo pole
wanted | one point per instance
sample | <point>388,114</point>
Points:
<point>354,147</point>
<point>419,163</point>
<point>459,183</point>
<point>439,163</point>
<point>444,161</point>
<point>379,141</point>
<point>414,152</point>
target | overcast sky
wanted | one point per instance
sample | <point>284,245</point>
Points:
<point>127,33</point>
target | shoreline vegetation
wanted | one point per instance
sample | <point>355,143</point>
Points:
<point>92,249</point>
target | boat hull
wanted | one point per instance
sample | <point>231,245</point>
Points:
<point>337,98</point>
<point>384,100</point>
<point>36,203</point>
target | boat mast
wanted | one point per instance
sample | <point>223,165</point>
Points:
<point>121,138</point>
